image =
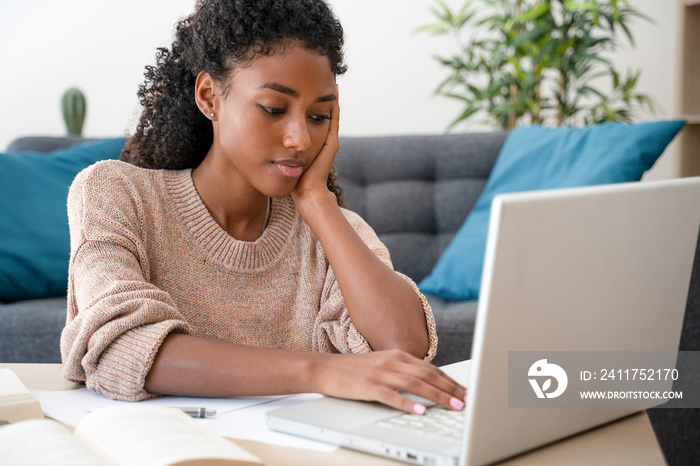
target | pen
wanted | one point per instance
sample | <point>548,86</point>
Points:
<point>198,412</point>
<point>193,412</point>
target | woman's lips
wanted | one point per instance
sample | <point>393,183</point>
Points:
<point>291,168</point>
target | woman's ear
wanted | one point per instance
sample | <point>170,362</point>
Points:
<point>205,95</point>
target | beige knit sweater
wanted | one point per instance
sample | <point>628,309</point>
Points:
<point>148,259</point>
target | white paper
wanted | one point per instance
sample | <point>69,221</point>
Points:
<point>238,418</point>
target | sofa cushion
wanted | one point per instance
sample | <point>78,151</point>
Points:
<point>31,330</point>
<point>454,321</point>
<point>536,158</point>
<point>35,244</point>
<point>415,191</point>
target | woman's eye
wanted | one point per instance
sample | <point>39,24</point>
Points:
<point>320,118</point>
<point>272,110</point>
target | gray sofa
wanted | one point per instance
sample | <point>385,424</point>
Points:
<point>415,191</point>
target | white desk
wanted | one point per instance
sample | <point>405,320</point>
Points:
<point>629,441</point>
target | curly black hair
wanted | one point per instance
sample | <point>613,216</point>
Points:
<point>219,36</point>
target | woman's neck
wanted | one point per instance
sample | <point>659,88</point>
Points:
<point>238,208</point>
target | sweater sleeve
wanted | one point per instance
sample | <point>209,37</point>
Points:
<point>335,331</point>
<point>116,319</point>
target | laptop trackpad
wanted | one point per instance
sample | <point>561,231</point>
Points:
<point>335,413</point>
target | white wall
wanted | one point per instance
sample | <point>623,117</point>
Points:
<point>656,55</point>
<point>102,46</point>
<point>98,46</point>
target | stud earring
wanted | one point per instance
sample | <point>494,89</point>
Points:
<point>211,114</point>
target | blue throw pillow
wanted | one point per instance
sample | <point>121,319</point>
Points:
<point>537,158</point>
<point>35,245</point>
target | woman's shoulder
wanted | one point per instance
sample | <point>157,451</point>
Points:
<point>109,172</point>
<point>111,195</point>
<point>117,178</point>
<point>120,185</point>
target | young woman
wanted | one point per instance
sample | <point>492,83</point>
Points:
<point>219,261</point>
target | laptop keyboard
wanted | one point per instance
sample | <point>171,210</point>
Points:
<point>437,422</point>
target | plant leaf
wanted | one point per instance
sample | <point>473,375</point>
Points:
<point>533,13</point>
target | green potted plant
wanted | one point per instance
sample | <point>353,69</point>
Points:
<point>73,107</point>
<point>538,61</point>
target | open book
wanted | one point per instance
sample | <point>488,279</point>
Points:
<point>16,401</point>
<point>120,435</point>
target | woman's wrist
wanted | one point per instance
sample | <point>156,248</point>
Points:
<point>314,370</point>
<point>315,204</point>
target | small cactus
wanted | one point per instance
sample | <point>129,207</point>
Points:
<point>73,106</point>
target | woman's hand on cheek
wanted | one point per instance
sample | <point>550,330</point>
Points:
<point>314,180</point>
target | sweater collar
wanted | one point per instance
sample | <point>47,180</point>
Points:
<point>216,244</point>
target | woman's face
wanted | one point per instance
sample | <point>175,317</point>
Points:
<point>273,121</point>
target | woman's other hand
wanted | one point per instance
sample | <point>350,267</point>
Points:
<point>314,179</point>
<point>382,375</point>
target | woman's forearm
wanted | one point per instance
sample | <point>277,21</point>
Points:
<point>383,307</point>
<point>187,365</point>
<point>192,366</point>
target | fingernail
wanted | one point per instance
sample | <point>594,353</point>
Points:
<point>456,404</point>
<point>419,408</point>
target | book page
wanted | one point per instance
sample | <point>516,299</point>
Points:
<point>155,436</point>
<point>41,442</point>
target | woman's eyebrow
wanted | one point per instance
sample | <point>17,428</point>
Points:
<point>326,98</point>
<point>292,93</point>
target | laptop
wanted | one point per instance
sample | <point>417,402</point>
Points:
<point>573,270</point>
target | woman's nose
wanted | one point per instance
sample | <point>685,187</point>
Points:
<point>297,134</point>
